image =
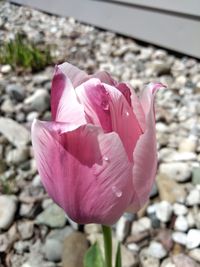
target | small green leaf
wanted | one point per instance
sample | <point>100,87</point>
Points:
<point>93,257</point>
<point>118,261</point>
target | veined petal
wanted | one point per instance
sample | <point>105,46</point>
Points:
<point>124,121</point>
<point>95,99</point>
<point>73,73</point>
<point>64,104</point>
<point>145,155</point>
<point>85,171</point>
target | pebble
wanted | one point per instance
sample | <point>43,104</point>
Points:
<point>8,206</point>
<point>39,101</point>
<point>147,260</point>
<point>181,223</point>
<point>74,249</point>
<point>195,254</point>
<point>6,69</point>
<point>163,211</point>
<point>179,238</point>
<point>122,228</point>
<point>196,176</point>
<point>92,228</point>
<point>178,171</point>
<point>193,198</point>
<point>183,260</point>
<point>17,156</point>
<point>189,144</point>
<point>142,225</point>
<point>157,250</point>
<point>169,190</point>
<point>167,263</point>
<point>54,243</point>
<point>26,229</point>
<point>53,216</point>
<point>16,91</point>
<point>179,209</point>
<point>14,132</point>
<point>193,239</point>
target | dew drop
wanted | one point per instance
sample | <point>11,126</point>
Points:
<point>116,191</point>
<point>106,158</point>
<point>127,113</point>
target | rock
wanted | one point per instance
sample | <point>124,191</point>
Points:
<point>157,250</point>
<point>92,228</point>
<point>74,249</point>
<point>54,243</point>
<point>180,209</point>
<point>163,211</point>
<point>7,106</point>
<point>3,166</point>
<point>193,198</point>
<point>142,225</point>
<point>189,144</point>
<point>160,67</point>
<point>167,263</point>
<point>32,115</point>
<point>8,206</point>
<point>16,91</point>
<point>183,260</point>
<point>195,254</point>
<point>196,176</point>
<point>193,239</point>
<point>122,228</point>
<point>165,238</point>
<point>14,132</point>
<point>39,101</point>
<point>146,260</point>
<point>40,79</point>
<point>6,69</point>
<point>178,171</point>
<point>26,229</point>
<point>53,216</point>
<point>190,219</point>
<point>179,238</point>
<point>181,224</point>
<point>169,190</point>
<point>17,156</point>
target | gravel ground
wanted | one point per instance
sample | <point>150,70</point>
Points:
<point>34,231</point>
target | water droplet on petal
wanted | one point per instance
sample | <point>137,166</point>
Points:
<point>116,191</point>
<point>105,105</point>
<point>106,158</point>
<point>127,113</point>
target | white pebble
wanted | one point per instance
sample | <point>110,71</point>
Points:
<point>193,239</point>
<point>181,224</point>
<point>179,238</point>
<point>164,211</point>
<point>180,209</point>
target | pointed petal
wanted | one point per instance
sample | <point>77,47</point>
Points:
<point>93,96</point>
<point>104,77</point>
<point>85,171</point>
<point>145,157</point>
<point>73,73</point>
<point>64,104</point>
<point>124,121</point>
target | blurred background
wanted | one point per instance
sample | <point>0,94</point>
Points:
<point>137,42</point>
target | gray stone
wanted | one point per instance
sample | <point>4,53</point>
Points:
<point>38,101</point>
<point>26,229</point>
<point>18,155</point>
<point>181,260</point>
<point>196,176</point>
<point>7,106</point>
<point>8,206</point>
<point>16,91</point>
<point>52,216</point>
<point>14,132</point>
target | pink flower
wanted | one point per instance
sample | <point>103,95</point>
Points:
<point>97,157</point>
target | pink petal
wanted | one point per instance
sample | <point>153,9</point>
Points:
<point>85,171</point>
<point>73,73</point>
<point>124,121</point>
<point>145,156</point>
<point>64,104</point>
<point>104,77</point>
<point>95,100</point>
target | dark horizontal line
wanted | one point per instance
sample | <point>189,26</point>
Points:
<point>154,9</point>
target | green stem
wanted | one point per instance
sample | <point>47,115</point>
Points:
<point>107,236</point>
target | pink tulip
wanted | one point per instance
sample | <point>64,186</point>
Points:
<point>97,157</point>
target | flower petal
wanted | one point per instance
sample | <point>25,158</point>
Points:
<point>145,155</point>
<point>64,104</point>
<point>85,171</point>
<point>104,77</point>
<point>73,73</point>
<point>95,100</point>
<point>124,121</point>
